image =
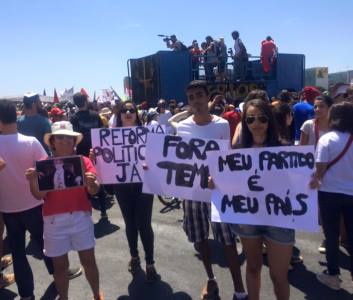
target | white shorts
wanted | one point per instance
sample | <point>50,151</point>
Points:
<point>68,231</point>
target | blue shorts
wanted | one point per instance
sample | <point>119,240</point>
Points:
<point>284,236</point>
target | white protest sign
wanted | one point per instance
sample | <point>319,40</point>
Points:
<point>179,166</point>
<point>265,186</point>
<point>120,152</point>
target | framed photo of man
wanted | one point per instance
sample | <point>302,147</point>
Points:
<point>59,173</point>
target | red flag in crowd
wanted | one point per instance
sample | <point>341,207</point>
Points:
<point>56,98</point>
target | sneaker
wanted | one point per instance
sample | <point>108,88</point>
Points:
<point>210,291</point>
<point>322,248</point>
<point>5,262</point>
<point>331,281</point>
<point>134,265</point>
<point>6,280</point>
<point>151,274</point>
<point>74,272</point>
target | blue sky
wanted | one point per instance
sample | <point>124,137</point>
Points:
<point>86,43</point>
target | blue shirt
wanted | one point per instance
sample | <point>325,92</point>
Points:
<point>36,126</point>
<point>302,111</point>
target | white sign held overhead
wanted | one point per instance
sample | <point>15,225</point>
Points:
<point>265,186</point>
<point>120,152</point>
<point>178,166</point>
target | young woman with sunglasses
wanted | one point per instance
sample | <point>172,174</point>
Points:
<point>136,207</point>
<point>259,130</point>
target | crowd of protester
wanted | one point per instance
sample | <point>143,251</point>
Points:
<point>62,222</point>
<point>212,55</point>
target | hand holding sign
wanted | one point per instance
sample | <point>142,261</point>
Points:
<point>265,186</point>
<point>181,164</point>
<point>119,153</point>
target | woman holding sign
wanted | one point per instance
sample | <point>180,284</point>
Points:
<point>136,207</point>
<point>259,130</point>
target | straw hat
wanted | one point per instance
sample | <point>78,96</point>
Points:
<point>62,128</point>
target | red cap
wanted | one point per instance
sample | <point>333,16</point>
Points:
<point>310,93</point>
<point>56,111</point>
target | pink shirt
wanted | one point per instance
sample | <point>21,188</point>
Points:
<point>20,153</point>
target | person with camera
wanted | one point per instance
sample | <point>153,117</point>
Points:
<point>174,44</point>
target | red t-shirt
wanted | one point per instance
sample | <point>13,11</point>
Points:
<point>75,199</point>
<point>267,48</point>
<point>233,117</point>
<point>196,54</point>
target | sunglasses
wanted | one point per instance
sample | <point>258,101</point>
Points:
<point>130,110</point>
<point>251,119</point>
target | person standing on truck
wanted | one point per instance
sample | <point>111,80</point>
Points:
<point>174,43</point>
<point>240,57</point>
<point>268,54</point>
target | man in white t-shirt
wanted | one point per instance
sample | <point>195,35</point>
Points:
<point>241,57</point>
<point>197,215</point>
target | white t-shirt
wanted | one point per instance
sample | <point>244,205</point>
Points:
<point>20,153</point>
<point>339,178</point>
<point>152,123</point>
<point>59,178</point>
<point>308,128</point>
<point>163,118</point>
<point>237,49</point>
<point>218,129</point>
<point>112,121</point>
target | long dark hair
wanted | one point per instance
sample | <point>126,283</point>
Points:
<point>246,140</point>
<point>280,112</point>
<point>121,106</point>
<point>340,117</point>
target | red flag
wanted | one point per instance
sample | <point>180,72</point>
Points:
<point>56,98</point>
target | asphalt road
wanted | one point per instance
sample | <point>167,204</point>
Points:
<point>182,274</point>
